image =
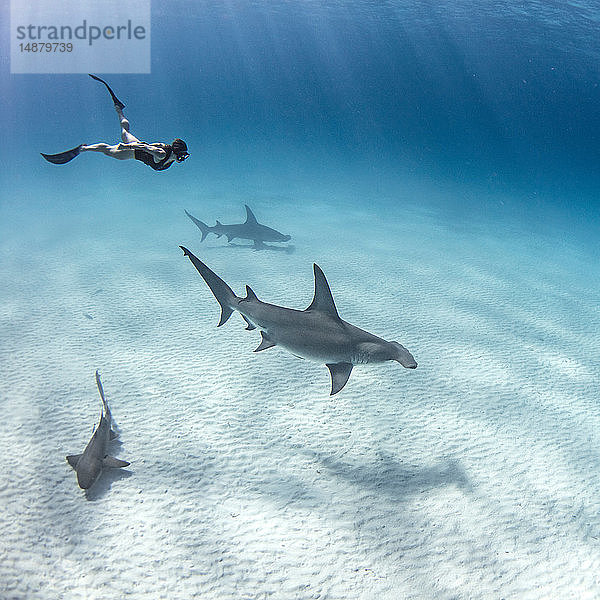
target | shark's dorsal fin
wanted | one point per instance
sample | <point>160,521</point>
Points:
<point>323,300</point>
<point>73,459</point>
<point>250,295</point>
<point>340,372</point>
<point>265,343</point>
<point>250,218</point>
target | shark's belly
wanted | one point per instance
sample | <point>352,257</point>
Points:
<point>324,346</point>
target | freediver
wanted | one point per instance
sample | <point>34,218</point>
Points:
<point>157,155</point>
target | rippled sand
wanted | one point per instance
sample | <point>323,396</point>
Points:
<point>475,476</point>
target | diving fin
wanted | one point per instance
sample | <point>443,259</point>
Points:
<point>115,100</point>
<point>62,157</point>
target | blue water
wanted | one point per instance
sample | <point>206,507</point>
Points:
<point>410,148</point>
<point>495,95</point>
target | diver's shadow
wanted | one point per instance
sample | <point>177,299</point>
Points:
<point>104,483</point>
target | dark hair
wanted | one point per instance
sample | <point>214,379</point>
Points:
<point>179,146</point>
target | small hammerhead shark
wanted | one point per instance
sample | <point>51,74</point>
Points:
<point>94,458</point>
<point>317,333</point>
<point>251,229</point>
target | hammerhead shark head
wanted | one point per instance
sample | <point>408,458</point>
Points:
<point>251,229</point>
<point>94,458</point>
<point>317,333</point>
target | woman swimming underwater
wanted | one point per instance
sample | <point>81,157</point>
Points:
<point>157,155</point>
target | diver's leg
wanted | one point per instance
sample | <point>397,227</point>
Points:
<point>126,135</point>
<point>117,151</point>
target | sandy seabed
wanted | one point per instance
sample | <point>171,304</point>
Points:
<point>475,476</point>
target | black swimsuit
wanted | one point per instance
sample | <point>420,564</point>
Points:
<point>148,159</point>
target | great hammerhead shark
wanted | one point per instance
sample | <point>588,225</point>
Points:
<point>250,229</point>
<point>94,458</point>
<point>317,333</point>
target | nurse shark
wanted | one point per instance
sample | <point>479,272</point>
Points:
<point>89,464</point>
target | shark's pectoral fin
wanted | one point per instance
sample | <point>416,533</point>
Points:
<point>265,343</point>
<point>230,237</point>
<point>251,326</point>
<point>73,459</point>
<point>258,245</point>
<point>114,463</point>
<point>340,372</point>
<point>113,434</point>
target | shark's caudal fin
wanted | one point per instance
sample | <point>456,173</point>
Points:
<point>203,227</point>
<point>221,291</point>
<point>104,403</point>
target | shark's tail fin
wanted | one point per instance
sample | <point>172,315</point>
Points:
<point>221,291</point>
<point>203,227</point>
<point>104,402</point>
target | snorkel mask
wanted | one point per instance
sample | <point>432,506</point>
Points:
<point>180,150</point>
